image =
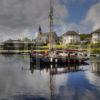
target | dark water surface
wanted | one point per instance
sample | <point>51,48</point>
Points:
<point>20,80</point>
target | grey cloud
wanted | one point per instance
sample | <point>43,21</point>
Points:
<point>27,14</point>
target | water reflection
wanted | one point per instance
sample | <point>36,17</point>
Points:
<point>22,80</point>
<point>57,69</point>
<point>52,71</point>
<point>95,65</point>
<point>78,87</point>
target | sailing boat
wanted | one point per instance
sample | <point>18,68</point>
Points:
<point>54,57</point>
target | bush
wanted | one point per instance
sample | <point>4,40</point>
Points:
<point>96,45</point>
<point>95,50</point>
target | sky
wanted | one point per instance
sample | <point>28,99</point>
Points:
<point>21,18</point>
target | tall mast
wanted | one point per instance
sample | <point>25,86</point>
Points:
<point>51,15</point>
<point>51,23</point>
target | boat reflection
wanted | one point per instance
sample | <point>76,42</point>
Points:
<point>95,66</point>
<point>55,69</point>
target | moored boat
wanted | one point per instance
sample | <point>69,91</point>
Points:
<point>57,58</point>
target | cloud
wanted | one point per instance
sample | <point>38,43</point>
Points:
<point>72,1</point>
<point>78,27</point>
<point>8,33</point>
<point>19,15</point>
<point>90,23</point>
<point>93,16</point>
<point>21,18</point>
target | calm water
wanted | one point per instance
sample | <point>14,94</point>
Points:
<point>19,80</point>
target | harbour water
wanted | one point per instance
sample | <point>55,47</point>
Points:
<point>20,80</point>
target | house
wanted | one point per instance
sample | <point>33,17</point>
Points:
<point>70,37</point>
<point>96,36</point>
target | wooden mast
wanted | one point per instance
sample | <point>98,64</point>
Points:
<point>51,43</point>
<point>51,25</point>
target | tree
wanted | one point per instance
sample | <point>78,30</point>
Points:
<point>85,36</point>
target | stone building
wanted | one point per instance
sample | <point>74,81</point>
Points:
<point>43,38</point>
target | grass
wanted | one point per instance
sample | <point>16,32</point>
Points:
<point>46,48</point>
<point>59,46</point>
<point>24,51</point>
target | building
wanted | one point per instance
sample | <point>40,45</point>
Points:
<point>96,36</point>
<point>16,45</point>
<point>43,38</point>
<point>70,37</point>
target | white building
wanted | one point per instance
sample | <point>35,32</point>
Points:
<point>96,36</point>
<point>70,37</point>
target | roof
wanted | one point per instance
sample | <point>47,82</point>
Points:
<point>16,41</point>
<point>70,33</point>
<point>96,31</point>
<point>11,41</point>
